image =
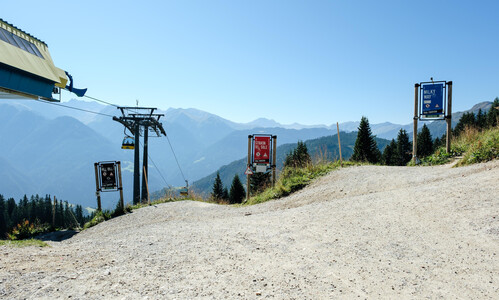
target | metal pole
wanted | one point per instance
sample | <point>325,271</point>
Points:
<point>145,194</point>
<point>136,168</point>
<point>120,186</point>
<point>248,165</point>
<point>97,189</point>
<point>449,117</point>
<point>339,142</point>
<point>274,156</point>
<point>146,200</point>
<point>415,128</point>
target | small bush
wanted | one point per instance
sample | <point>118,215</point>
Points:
<point>25,230</point>
<point>99,217</point>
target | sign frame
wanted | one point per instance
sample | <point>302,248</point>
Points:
<point>257,164</point>
<point>105,184</point>
<point>425,104</point>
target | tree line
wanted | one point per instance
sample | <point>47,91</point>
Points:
<point>399,151</point>
<point>38,214</point>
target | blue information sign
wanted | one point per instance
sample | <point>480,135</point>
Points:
<point>433,100</point>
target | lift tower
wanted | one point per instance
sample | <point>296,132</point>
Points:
<point>140,120</point>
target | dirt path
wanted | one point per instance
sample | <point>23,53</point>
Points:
<point>368,232</point>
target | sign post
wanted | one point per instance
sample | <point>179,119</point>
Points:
<point>261,157</point>
<point>429,105</point>
<point>107,181</point>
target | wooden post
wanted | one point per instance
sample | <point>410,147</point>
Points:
<point>248,165</point>
<point>120,186</point>
<point>415,128</point>
<point>53,212</point>
<point>147,186</point>
<point>339,142</point>
<point>449,117</point>
<point>274,157</point>
<point>97,189</point>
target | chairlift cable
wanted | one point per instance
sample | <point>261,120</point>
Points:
<point>175,156</point>
<point>75,108</point>
<point>156,167</point>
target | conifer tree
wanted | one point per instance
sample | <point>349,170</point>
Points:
<point>404,153</point>
<point>218,188</point>
<point>493,114</point>
<point>237,192</point>
<point>425,142</point>
<point>225,194</point>
<point>3,217</point>
<point>389,154</point>
<point>258,182</point>
<point>299,157</point>
<point>481,119</point>
<point>365,149</point>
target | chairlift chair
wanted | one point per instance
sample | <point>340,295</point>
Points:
<point>128,143</point>
<point>184,191</point>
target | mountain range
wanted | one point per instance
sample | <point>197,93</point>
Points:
<point>50,149</point>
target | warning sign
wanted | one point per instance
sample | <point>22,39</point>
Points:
<point>248,171</point>
<point>261,149</point>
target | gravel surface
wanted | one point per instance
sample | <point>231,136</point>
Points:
<point>359,232</point>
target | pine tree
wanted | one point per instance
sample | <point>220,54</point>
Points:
<point>225,194</point>
<point>493,114</point>
<point>404,153</point>
<point>79,214</point>
<point>258,182</point>
<point>3,217</point>
<point>389,154</point>
<point>218,188</point>
<point>365,149</point>
<point>237,192</point>
<point>425,142</point>
<point>481,119</point>
<point>299,157</point>
<point>466,120</point>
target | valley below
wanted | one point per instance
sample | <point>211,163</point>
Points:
<point>358,232</point>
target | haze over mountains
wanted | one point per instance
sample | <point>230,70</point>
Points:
<point>49,149</point>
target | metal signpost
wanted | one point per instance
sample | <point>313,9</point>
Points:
<point>261,157</point>
<point>107,181</point>
<point>430,105</point>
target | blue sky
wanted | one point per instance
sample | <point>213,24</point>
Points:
<point>310,62</point>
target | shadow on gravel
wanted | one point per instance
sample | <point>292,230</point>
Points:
<point>57,236</point>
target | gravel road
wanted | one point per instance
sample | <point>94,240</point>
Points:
<point>359,232</point>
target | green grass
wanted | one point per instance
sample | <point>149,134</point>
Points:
<point>293,179</point>
<point>473,145</point>
<point>23,243</point>
<point>478,146</point>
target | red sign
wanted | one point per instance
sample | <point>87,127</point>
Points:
<point>261,149</point>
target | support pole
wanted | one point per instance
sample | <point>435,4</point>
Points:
<point>53,213</point>
<point>146,199</point>
<point>248,165</point>
<point>97,189</point>
<point>339,142</point>
<point>415,128</point>
<point>120,186</point>
<point>274,157</point>
<point>145,194</point>
<point>449,117</point>
<point>136,168</point>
